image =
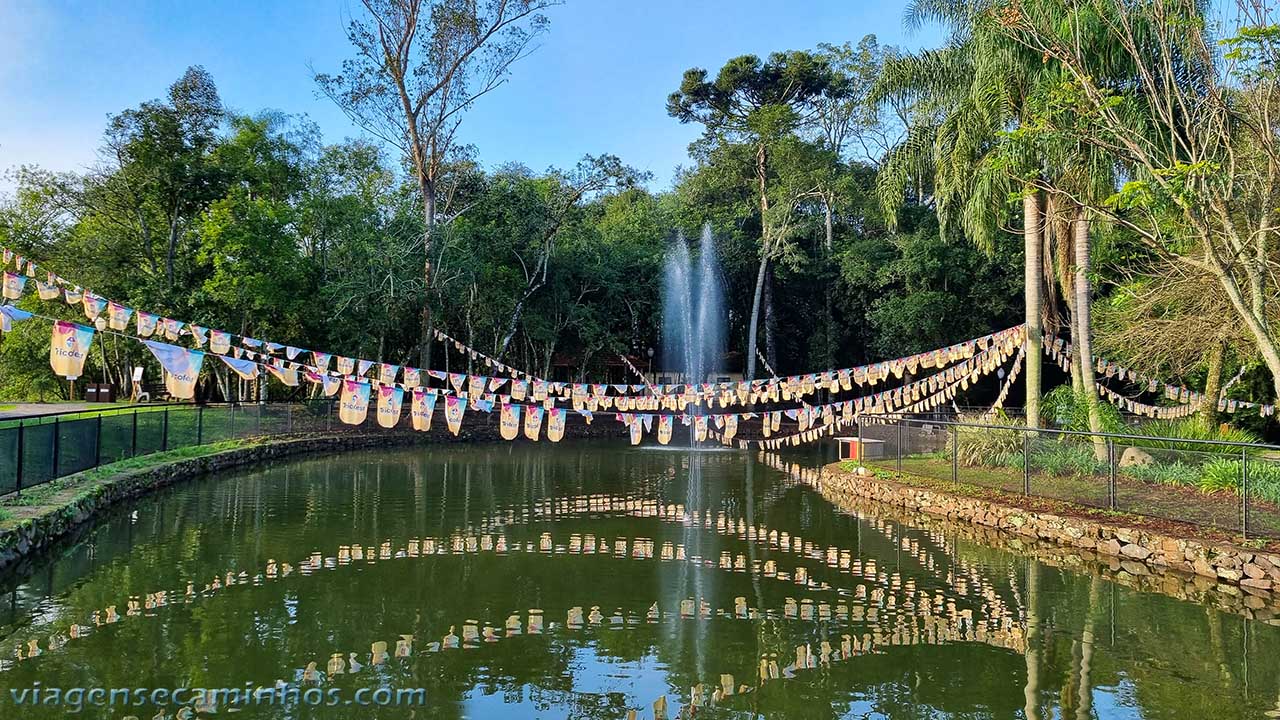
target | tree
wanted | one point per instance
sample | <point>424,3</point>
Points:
<point>1193,132</point>
<point>419,65</point>
<point>761,104</point>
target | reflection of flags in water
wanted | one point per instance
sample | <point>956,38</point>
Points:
<point>424,406</point>
<point>68,348</point>
<point>533,422</point>
<point>246,369</point>
<point>555,423</point>
<point>700,428</point>
<point>454,408</point>
<point>182,367</point>
<point>390,398</point>
<point>636,426</point>
<point>353,408</point>
<point>509,423</point>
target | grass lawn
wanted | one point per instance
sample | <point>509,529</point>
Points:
<point>1219,510</point>
<point>54,494</point>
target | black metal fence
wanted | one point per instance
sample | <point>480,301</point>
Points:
<point>40,448</point>
<point>1234,487</point>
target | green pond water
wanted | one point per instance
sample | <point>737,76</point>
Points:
<point>586,581</point>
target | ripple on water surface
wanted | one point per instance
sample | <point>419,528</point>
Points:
<point>591,581</point>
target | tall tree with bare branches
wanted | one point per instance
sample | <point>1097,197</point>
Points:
<point>419,65</point>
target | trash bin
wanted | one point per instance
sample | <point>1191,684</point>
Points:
<point>106,393</point>
<point>91,393</point>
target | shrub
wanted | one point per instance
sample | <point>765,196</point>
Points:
<point>1221,474</point>
<point>1069,410</point>
<point>986,446</point>
<point>1066,457</point>
<point>1165,473</point>
<point>1182,434</point>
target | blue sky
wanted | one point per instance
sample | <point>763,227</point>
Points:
<point>597,83</point>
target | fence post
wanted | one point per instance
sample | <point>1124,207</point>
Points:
<point>955,454</point>
<point>97,447</point>
<point>1244,492</point>
<point>259,430</point>
<point>133,443</point>
<point>860,458</point>
<point>288,417</point>
<point>55,441</point>
<point>22,431</point>
<point>1111,478</point>
<point>164,435</point>
<point>233,420</point>
<point>200,425</point>
<point>1026,463</point>
<point>899,452</point>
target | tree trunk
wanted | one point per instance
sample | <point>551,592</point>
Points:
<point>1212,385</point>
<point>1032,248</point>
<point>828,347</point>
<point>1083,330</point>
<point>762,159</point>
<point>1084,704</point>
<point>428,188</point>
<point>753,326</point>
<point>770,323</point>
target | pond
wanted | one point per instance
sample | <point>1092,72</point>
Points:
<point>590,581</point>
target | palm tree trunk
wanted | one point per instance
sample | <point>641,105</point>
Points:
<point>1212,386</point>
<point>1034,267</point>
<point>1083,328</point>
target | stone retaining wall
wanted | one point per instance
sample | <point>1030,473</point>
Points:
<point>1231,569</point>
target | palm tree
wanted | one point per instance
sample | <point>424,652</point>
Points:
<point>968,95</point>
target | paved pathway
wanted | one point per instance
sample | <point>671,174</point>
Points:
<point>10,411</point>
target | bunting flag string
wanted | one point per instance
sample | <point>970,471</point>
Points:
<point>1188,400</point>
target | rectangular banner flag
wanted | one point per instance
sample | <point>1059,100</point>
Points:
<point>412,379</point>
<point>182,367</point>
<point>288,376</point>
<point>321,360</point>
<point>10,315</point>
<point>47,291</point>
<point>353,408</point>
<point>533,422</point>
<point>246,369</point>
<point>72,296</point>
<point>94,305</point>
<point>424,406</point>
<point>664,428</point>
<point>387,373</point>
<point>555,423</point>
<point>146,323</point>
<point>346,365</point>
<point>509,423</point>
<point>199,334</point>
<point>454,407</point>
<point>363,367</point>
<point>330,384</point>
<point>68,348</point>
<point>390,398</point>
<point>118,316</point>
<point>219,342</point>
<point>13,285</point>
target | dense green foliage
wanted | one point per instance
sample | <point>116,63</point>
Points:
<point>255,225</point>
